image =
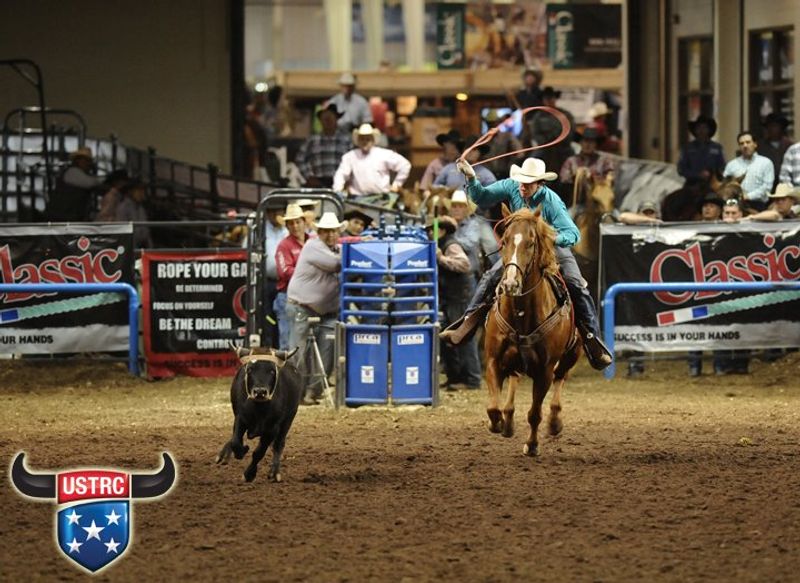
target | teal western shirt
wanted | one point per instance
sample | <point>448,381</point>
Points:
<point>553,208</point>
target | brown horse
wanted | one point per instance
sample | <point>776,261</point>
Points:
<point>596,197</point>
<point>530,330</point>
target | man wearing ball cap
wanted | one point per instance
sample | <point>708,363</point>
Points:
<point>525,189</point>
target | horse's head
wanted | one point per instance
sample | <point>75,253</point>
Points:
<point>527,247</point>
<point>730,188</point>
<point>595,192</point>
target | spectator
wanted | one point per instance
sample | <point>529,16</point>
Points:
<point>309,208</point>
<point>456,285</point>
<point>757,171</point>
<point>783,198</point>
<point>702,157</point>
<point>274,233</point>
<point>452,145</point>
<point>599,116</point>
<point>732,211</point>
<point>598,163</point>
<point>255,139</point>
<point>544,128</point>
<point>530,94</point>
<point>320,154</point>
<point>646,214</point>
<point>711,207</point>
<point>131,210</point>
<point>71,200</point>
<point>354,108</point>
<point>790,167</point>
<point>314,293</point>
<point>113,196</point>
<point>368,168</point>
<point>286,255</point>
<point>356,222</point>
<point>452,177</point>
<point>775,142</point>
<point>468,233</point>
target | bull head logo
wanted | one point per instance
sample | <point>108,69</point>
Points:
<point>94,517</point>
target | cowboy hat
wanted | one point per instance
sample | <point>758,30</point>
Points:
<point>550,92</point>
<point>357,214</point>
<point>293,212</point>
<point>703,119</point>
<point>776,118</point>
<point>532,170</point>
<point>347,79</point>
<point>713,198</point>
<point>648,206</point>
<point>460,197</point>
<point>453,137</point>
<point>306,202</point>
<point>83,152</point>
<point>272,203</point>
<point>365,129</point>
<point>590,133</point>
<point>597,109</point>
<point>447,223</point>
<point>329,220</point>
<point>329,107</point>
<point>785,189</point>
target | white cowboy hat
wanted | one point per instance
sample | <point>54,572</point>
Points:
<point>293,212</point>
<point>597,109</point>
<point>785,190</point>
<point>532,170</point>
<point>329,220</point>
<point>347,79</point>
<point>83,152</point>
<point>304,202</point>
<point>460,197</point>
<point>365,129</point>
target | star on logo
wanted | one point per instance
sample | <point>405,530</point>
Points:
<point>74,517</point>
<point>93,531</point>
<point>113,518</point>
<point>112,546</point>
<point>74,546</point>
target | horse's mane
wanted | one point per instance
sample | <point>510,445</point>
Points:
<point>545,237</point>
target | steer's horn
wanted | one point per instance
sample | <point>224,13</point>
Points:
<point>33,485</point>
<point>240,350</point>
<point>152,485</point>
<point>284,355</point>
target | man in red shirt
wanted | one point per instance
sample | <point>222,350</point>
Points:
<point>286,255</point>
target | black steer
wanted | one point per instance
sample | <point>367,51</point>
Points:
<point>265,394</point>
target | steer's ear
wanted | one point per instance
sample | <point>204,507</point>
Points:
<point>284,355</point>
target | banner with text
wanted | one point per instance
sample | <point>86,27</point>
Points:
<point>193,309</point>
<point>53,323</point>
<point>703,252</point>
<point>584,36</point>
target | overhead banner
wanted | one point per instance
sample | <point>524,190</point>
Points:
<point>54,323</point>
<point>703,252</point>
<point>584,36</point>
<point>450,36</point>
<point>193,310</point>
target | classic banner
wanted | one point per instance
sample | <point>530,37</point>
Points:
<point>52,323</point>
<point>193,309</point>
<point>703,252</point>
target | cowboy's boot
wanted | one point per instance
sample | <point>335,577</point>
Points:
<point>464,328</point>
<point>597,352</point>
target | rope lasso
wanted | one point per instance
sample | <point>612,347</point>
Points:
<point>566,128</point>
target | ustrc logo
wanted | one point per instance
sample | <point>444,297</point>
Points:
<point>94,520</point>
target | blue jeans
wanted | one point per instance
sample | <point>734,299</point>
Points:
<point>297,317</point>
<point>279,307</point>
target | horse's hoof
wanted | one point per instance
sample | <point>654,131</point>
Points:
<point>249,475</point>
<point>496,427</point>
<point>530,450</point>
<point>508,430</point>
<point>555,427</point>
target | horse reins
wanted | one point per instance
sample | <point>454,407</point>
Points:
<point>566,128</point>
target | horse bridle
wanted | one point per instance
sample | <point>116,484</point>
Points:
<point>524,275</point>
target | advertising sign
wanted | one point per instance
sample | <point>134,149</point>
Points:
<point>450,36</point>
<point>584,36</point>
<point>193,310</point>
<point>53,323</point>
<point>704,252</point>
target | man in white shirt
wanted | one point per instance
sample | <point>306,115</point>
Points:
<point>353,107</point>
<point>368,168</point>
<point>758,171</point>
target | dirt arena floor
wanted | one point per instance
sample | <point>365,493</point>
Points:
<point>660,478</point>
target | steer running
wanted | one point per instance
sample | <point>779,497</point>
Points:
<point>265,394</point>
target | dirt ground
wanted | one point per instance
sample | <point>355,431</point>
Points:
<point>657,478</point>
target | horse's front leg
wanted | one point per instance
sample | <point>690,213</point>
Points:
<point>555,424</point>
<point>508,408</point>
<point>494,382</point>
<point>541,384</point>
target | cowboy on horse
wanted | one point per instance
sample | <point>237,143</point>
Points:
<point>525,189</point>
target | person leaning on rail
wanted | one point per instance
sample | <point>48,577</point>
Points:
<point>781,208</point>
<point>525,189</point>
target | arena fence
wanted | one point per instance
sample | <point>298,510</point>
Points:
<point>609,299</point>
<point>11,315</point>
